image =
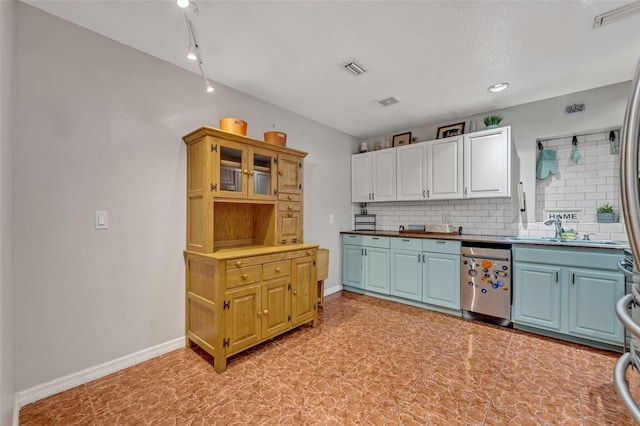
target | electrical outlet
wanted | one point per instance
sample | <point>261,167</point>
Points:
<point>446,217</point>
<point>330,218</point>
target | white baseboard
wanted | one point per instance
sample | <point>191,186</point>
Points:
<point>54,386</point>
<point>331,290</point>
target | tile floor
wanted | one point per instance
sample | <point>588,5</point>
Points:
<point>369,362</point>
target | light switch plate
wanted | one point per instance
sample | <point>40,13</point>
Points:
<point>102,219</point>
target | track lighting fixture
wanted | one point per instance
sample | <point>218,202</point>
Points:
<point>194,53</point>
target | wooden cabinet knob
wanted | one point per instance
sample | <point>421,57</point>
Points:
<point>266,311</point>
<point>245,276</point>
<point>238,263</point>
<point>277,269</point>
<point>259,313</point>
<point>250,172</point>
<point>290,214</point>
<point>295,292</point>
<point>289,208</point>
<point>308,252</point>
<point>280,172</point>
<point>245,171</point>
<point>289,197</point>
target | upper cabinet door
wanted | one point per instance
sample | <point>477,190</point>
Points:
<point>230,169</point>
<point>361,172</point>
<point>384,175</point>
<point>444,168</point>
<point>487,163</point>
<point>262,174</point>
<point>411,168</point>
<point>290,174</point>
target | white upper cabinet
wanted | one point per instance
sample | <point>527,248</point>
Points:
<point>411,167</point>
<point>361,181</point>
<point>373,176</point>
<point>444,168</point>
<point>487,163</point>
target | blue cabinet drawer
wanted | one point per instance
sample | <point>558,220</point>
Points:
<point>441,246</point>
<point>369,241</point>
<point>414,244</point>
<point>356,240</point>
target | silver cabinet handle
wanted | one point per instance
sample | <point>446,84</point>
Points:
<point>373,195</point>
<point>424,194</point>
<point>556,276</point>
<point>466,192</point>
<point>423,258</point>
<point>418,257</point>
<point>428,194</point>
<point>369,195</point>
<point>441,242</point>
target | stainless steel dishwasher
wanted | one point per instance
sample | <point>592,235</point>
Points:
<point>485,283</point>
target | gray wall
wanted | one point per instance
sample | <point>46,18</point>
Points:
<point>7,366</point>
<point>604,109</point>
<point>99,127</point>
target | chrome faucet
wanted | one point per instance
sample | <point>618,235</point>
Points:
<point>558,223</point>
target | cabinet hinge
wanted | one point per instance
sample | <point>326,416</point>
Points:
<point>289,287</point>
<point>275,161</point>
<point>226,304</point>
<point>275,192</point>
<point>283,242</point>
<point>295,240</point>
<point>214,187</point>
<point>299,165</point>
<point>225,343</point>
<point>314,263</point>
<point>299,186</point>
<point>288,318</point>
<point>314,306</point>
<point>214,148</point>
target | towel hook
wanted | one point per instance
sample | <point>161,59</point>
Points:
<point>574,141</point>
<point>540,147</point>
<point>612,136</point>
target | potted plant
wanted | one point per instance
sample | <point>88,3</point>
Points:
<point>606,214</point>
<point>492,121</point>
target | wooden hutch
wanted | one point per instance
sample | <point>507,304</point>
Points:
<point>249,275</point>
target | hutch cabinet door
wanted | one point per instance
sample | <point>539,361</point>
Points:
<point>305,288</point>
<point>290,174</point>
<point>537,295</point>
<point>289,227</point>
<point>262,174</point>
<point>276,307</point>
<point>230,169</point>
<point>243,318</point>
<point>592,300</point>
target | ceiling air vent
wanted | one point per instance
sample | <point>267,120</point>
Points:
<point>388,101</point>
<point>354,68</point>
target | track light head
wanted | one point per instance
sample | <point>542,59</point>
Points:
<point>183,3</point>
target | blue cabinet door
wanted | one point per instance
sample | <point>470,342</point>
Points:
<point>441,280</point>
<point>592,301</point>
<point>376,270</point>
<point>406,274</point>
<point>352,271</point>
<point>537,295</point>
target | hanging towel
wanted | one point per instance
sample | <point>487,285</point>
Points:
<point>547,164</point>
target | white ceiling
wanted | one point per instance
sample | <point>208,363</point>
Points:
<point>437,57</point>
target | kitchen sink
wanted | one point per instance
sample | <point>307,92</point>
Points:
<point>535,239</point>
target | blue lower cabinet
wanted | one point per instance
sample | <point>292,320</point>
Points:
<point>406,274</point>
<point>376,270</point>
<point>352,262</point>
<point>569,292</point>
<point>441,280</point>
<point>592,299</point>
<point>536,295</point>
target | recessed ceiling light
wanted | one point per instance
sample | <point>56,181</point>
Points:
<point>498,87</point>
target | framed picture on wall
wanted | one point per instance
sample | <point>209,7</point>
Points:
<point>450,130</point>
<point>402,139</point>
